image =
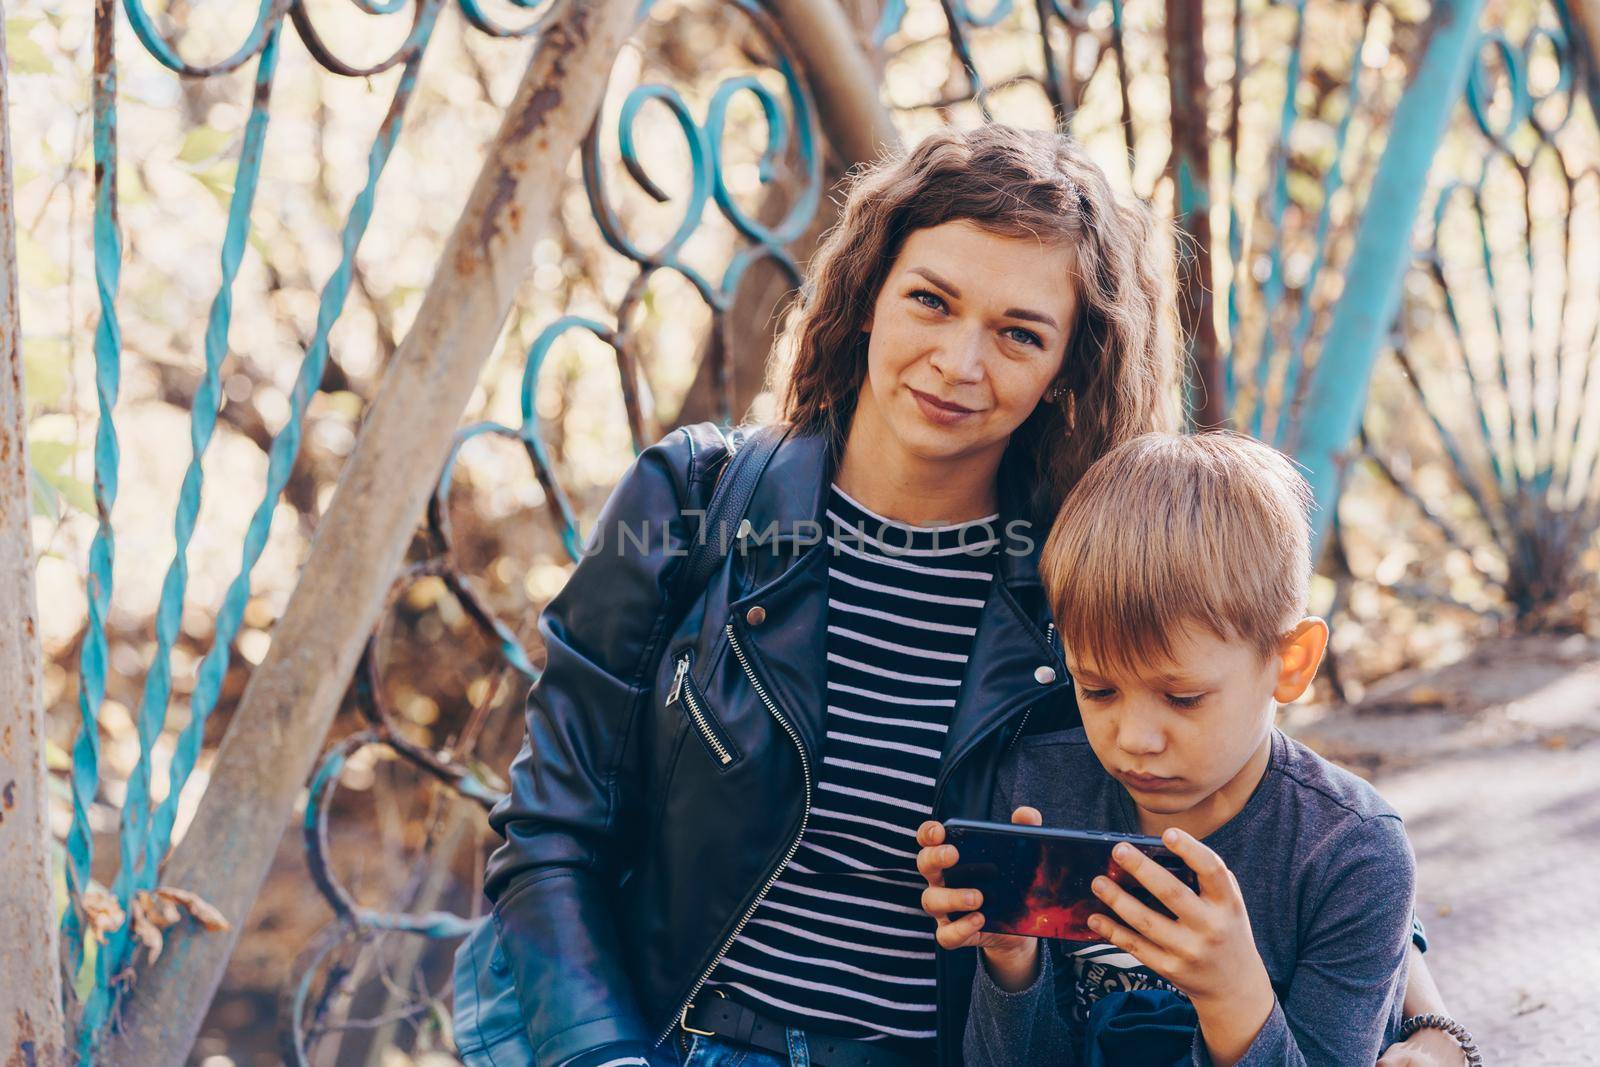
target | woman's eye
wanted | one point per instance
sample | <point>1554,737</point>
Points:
<point>1185,701</point>
<point>929,300</point>
<point>1027,337</point>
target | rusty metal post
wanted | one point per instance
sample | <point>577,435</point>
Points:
<point>1189,166</point>
<point>30,992</point>
<point>283,718</point>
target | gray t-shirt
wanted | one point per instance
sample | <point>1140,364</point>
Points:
<point>1327,877</point>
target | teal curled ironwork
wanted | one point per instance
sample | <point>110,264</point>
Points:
<point>352,921</point>
<point>789,131</point>
<point>480,20</point>
<point>1496,286</point>
<point>266,24</point>
<point>147,827</point>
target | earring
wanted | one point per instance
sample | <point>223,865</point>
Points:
<point>1054,393</point>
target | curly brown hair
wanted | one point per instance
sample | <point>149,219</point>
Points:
<point>1119,372</point>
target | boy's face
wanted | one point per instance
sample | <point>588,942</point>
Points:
<point>1178,733</point>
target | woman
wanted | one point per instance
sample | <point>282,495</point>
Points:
<point>709,847</point>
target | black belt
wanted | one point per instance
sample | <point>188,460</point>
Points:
<point>717,1015</point>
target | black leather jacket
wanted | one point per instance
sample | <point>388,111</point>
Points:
<point>633,851</point>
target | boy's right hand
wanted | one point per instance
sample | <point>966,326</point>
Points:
<point>1013,961</point>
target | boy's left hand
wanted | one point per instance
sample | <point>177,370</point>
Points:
<point>1207,951</point>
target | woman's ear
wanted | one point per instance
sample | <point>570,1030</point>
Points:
<point>1299,656</point>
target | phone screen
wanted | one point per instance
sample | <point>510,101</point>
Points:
<point>1035,882</point>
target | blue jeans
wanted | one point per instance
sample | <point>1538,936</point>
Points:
<point>715,1051</point>
<point>490,1031</point>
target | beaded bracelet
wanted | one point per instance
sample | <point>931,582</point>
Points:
<point>1435,1021</point>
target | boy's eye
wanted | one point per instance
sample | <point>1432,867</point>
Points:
<point>929,300</point>
<point>1096,694</point>
<point>1188,701</point>
<point>1027,337</point>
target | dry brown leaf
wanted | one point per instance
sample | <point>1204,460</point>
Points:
<point>161,911</point>
<point>101,912</point>
<point>204,914</point>
<point>145,928</point>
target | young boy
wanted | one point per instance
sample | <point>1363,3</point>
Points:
<point>1177,572</point>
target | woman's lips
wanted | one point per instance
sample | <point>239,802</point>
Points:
<point>941,412</point>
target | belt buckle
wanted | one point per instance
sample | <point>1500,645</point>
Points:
<point>683,1018</point>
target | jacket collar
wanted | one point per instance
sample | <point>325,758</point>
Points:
<point>1003,672</point>
<point>792,496</point>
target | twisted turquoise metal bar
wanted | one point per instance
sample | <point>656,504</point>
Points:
<point>285,446</point>
<point>140,855</point>
<point>102,551</point>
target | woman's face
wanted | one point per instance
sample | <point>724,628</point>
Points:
<point>967,333</point>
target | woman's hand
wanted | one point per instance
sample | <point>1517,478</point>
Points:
<point>1205,947</point>
<point>1013,962</point>
<point>1425,1048</point>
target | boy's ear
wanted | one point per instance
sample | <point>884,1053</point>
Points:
<point>1299,656</point>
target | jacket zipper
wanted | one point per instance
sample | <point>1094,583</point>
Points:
<point>794,846</point>
<point>1049,640</point>
<point>683,686</point>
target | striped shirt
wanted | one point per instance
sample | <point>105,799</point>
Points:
<point>841,943</point>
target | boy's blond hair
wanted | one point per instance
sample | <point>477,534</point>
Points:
<point>1165,529</point>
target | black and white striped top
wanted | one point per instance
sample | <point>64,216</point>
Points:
<point>841,942</point>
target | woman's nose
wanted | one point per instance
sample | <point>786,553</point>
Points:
<point>960,357</point>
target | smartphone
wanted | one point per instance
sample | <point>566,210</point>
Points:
<point>1035,879</point>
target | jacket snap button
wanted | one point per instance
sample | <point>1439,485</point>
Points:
<point>1044,675</point>
<point>756,615</point>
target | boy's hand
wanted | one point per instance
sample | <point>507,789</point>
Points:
<point>1013,961</point>
<point>1207,951</point>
